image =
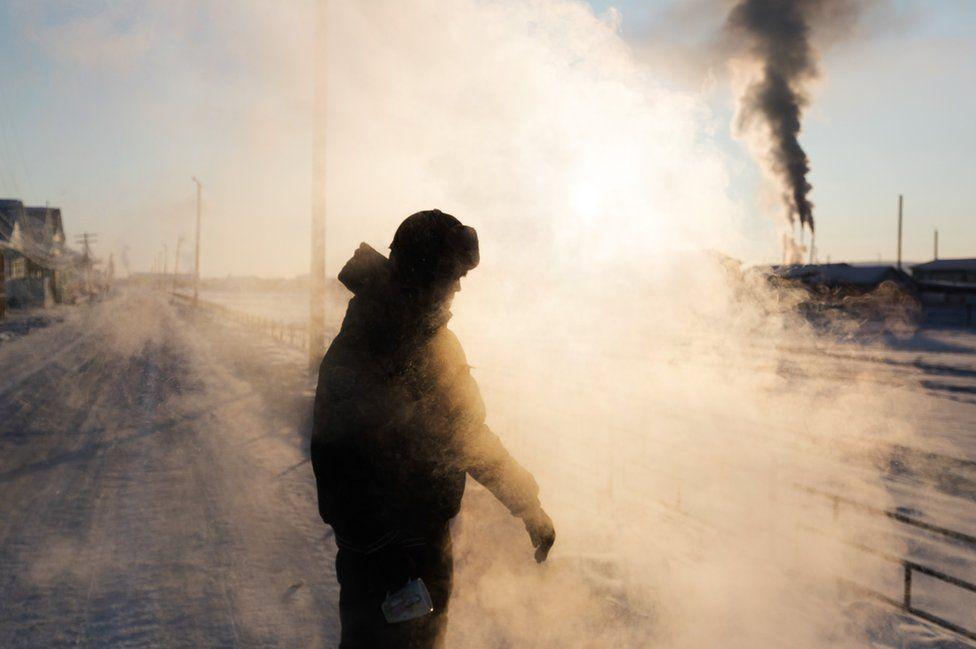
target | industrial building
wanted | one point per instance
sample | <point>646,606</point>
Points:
<point>947,287</point>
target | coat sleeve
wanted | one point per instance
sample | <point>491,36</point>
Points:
<point>480,451</point>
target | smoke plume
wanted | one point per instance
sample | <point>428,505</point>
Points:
<point>776,37</point>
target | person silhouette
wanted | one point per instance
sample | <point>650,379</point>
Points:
<point>398,423</point>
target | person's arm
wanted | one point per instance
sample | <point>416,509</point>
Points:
<point>486,459</point>
<point>492,465</point>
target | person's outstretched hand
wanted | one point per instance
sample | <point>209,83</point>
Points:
<point>540,529</point>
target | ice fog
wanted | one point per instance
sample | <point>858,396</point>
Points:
<point>671,406</point>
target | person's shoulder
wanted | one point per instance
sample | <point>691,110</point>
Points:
<point>447,343</point>
<point>454,375</point>
<point>447,352</point>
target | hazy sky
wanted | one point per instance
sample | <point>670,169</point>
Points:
<point>893,114</point>
<point>108,109</point>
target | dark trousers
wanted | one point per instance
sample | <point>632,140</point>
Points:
<point>365,580</point>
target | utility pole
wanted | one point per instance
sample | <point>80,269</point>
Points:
<point>165,260</point>
<point>196,264</point>
<point>176,262</point>
<point>935,254</point>
<point>86,239</point>
<point>316,315</point>
<point>899,229</point>
<point>3,282</point>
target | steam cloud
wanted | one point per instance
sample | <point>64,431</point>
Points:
<point>777,35</point>
<point>650,387</point>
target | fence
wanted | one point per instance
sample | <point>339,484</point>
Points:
<point>292,334</point>
<point>908,567</point>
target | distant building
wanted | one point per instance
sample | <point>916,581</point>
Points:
<point>874,299</point>
<point>948,287</point>
<point>36,261</point>
<point>947,274</point>
<point>844,278</point>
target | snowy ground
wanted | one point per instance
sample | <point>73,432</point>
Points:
<point>156,490</point>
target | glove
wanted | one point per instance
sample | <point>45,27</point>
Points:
<point>540,529</point>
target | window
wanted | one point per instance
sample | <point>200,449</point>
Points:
<point>18,268</point>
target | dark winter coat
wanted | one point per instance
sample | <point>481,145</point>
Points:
<point>399,420</point>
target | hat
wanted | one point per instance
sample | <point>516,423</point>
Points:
<point>431,245</point>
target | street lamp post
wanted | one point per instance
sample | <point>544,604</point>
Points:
<point>176,262</point>
<point>196,264</point>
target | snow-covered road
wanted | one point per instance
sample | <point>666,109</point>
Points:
<point>154,489</point>
<point>155,493</point>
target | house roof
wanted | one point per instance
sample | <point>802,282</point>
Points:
<point>36,226</point>
<point>11,211</point>
<point>841,274</point>
<point>35,229</point>
<point>44,222</point>
<point>948,265</point>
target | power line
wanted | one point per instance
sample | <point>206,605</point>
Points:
<point>5,131</point>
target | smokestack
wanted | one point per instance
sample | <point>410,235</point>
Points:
<point>899,229</point>
<point>935,254</point>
